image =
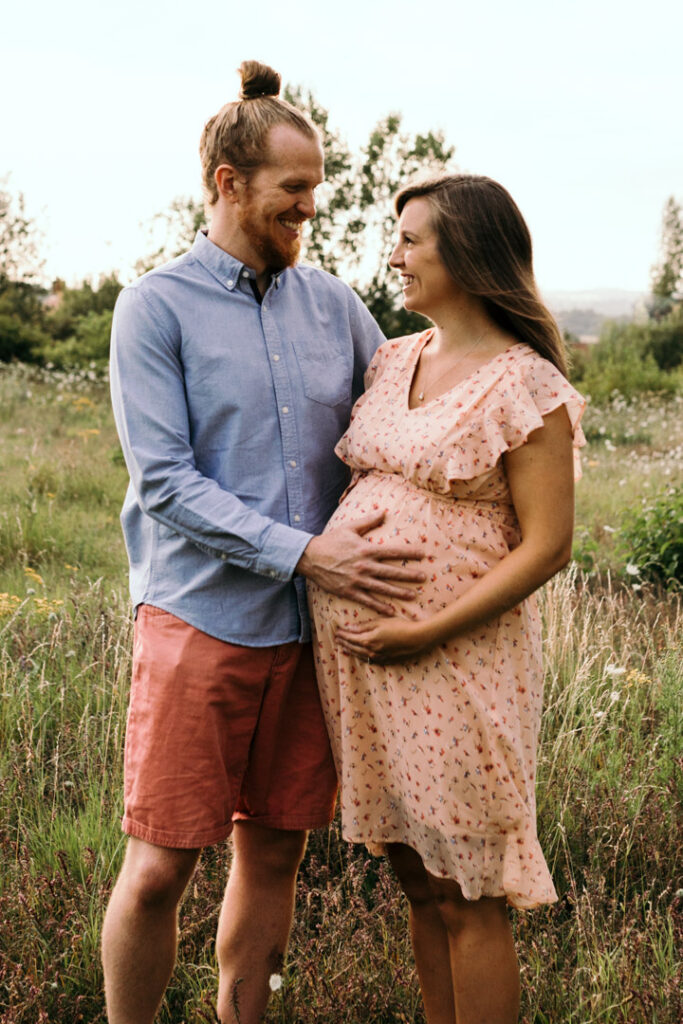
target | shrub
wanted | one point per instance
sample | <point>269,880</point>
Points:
<point>652,540</point>
<point>87,346</point>
<point>631,358</point>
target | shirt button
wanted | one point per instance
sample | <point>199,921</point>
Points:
<point>276,359</point>
<point>230,282</point>
<point>292,463</point>
<point>285,408</point>
<point>245,273</point>
<point>297,519</point>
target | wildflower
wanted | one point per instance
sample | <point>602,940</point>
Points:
<point>614,670</point>
<point>8,604</point>
<point>275,982</point>
<point>609,529</point>
<point>35,576</point>
<point>635,676</point>
<point>632,569</point>
<point>614,696</point>
<point>600,714</point>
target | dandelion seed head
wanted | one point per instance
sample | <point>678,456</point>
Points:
<point>275,982</point>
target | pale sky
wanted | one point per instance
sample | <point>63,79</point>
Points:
<point>576,108</point>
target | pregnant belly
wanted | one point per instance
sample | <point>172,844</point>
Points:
<point>460,541</point>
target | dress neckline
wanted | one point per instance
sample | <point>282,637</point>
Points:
<point>412,369</point>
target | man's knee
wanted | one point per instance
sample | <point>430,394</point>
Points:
<point>155,877</point>
<point>275,853</point>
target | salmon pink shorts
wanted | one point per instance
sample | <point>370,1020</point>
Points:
<point>218,733</point>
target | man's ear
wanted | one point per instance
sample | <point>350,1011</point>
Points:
<point>229,182</point>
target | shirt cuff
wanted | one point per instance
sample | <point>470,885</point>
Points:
<point>283,549</point>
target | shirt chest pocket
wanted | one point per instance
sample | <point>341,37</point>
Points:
<point>326,378</point>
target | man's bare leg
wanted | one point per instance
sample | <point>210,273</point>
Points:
<point>140,930</point>
<point>256,918</point>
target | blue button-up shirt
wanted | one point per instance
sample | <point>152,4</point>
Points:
<point>228,411</point>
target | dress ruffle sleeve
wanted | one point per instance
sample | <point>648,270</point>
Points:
<point>511,409</point>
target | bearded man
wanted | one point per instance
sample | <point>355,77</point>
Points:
<point>233,373</point>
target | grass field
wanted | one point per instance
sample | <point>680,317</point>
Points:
<point>610,769</point>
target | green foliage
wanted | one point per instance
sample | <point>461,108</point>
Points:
<point>631,358</point>
<point>351,234</point>
<point>87,346</point>
<point>74,304</point>
<point>667,274</point>
<point>651,538</point>
<point>19,241</point>
<point>353,230</point>
<point>172,231</point>
<point>21,321</point>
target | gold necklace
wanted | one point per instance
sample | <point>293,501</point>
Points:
<point>436,380</point>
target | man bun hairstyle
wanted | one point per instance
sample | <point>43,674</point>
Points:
<point>258,80</point>
<point>485,245</point>
<point>238,133</point>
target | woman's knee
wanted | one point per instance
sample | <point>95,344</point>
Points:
<point>411,873</point>
<point>460,913</point>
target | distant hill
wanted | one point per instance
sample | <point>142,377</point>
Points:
<point>584,312</point>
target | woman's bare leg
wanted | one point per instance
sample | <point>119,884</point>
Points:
<point>429,935</point>
<point>484,963</point>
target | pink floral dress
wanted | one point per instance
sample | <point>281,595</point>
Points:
<point>439,752</point>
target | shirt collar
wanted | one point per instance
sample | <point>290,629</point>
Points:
<point>224,267</point>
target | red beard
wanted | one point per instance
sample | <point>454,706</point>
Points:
<point>276,253</point>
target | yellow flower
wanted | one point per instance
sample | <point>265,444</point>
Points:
<point>35,576</point>
<point>8,604</point>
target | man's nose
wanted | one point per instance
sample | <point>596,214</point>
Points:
<point>306,205</point>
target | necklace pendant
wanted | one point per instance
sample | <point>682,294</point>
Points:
<point>420,396</point>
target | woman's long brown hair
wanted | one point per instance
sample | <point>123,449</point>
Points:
<point>486,247</point>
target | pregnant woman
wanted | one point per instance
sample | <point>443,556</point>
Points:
<point>466,440</point>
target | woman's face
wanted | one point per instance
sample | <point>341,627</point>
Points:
<point>426,283</point>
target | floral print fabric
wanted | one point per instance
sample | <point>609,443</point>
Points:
<point>439,752</point>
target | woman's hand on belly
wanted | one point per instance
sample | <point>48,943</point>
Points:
<point>386,639</point>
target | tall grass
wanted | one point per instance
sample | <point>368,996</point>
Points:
<point>609,792</point>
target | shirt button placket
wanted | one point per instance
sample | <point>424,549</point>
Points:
<point>286,399</point>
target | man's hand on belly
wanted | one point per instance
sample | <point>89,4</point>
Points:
<point>344,563</point>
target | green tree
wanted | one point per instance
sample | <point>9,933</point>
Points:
<point>667,274</point>
<point>353,230</point>
<point>20,260</point>
<point>172,231</point>
<point>351,234</point>
<point>21,311</point>
<point>77,303</point>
